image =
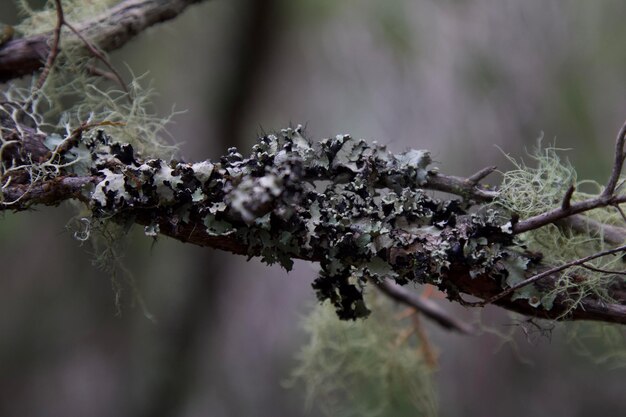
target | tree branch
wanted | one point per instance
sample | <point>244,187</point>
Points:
<point>550,272</point>
<point>618,163</point>
<point>427,307</point>
<point>369,220</point>
<point>109,31</point>
<point>360,211</point>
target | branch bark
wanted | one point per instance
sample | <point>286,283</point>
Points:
<point>109,31</point>
<point>358,210</point>
<point>371,221</point>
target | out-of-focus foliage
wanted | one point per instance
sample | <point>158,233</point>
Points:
<point>42,19</point>
<point>367,368</point>
<point>602,344</point>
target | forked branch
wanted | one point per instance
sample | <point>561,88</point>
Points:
<point>270,205</point>
<point>360,211</point>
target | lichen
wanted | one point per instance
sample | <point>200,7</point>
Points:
<point>356,208</point>
<point>364,368</point>
<point>43,19</point>
<point>529,190</point>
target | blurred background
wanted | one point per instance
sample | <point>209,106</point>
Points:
<point>461,78</point>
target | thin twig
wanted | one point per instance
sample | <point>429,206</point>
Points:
<point>618,162</point>
<point>603,271</point>
<point>95,52</point>
<point>544,274</point>
<point>93,70</point>
<point>427,307</point>
<point>430,356</point>
<point>75,137</point>
<point>567,198</point>
<point>459,186</point>
<point>54,51</point>
<point>475,178</point>
<point>559,213</point>
<point>621,212</point>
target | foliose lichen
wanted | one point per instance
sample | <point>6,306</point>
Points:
<point>356,208</point>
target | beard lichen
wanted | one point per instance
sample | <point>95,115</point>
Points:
<point>531,190</point>
<point>74,100</point>
<point>365,368</point>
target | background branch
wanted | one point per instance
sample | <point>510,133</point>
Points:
<point>109,31</point>
<point>427,307</point>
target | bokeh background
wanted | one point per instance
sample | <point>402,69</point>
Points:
<point>467,79</point>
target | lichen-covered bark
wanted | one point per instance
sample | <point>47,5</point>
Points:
<point>110,31</point>
<point>360,211</point>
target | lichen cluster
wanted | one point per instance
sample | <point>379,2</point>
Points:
<point>529,190</point>
<point>356,208</point>
<point>359,210</point>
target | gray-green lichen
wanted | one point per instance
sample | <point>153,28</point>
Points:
<point>356,208</point>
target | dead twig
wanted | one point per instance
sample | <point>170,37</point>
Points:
<point>617,163</point>
<point>430,356</point>
<point>54,50</point>
<point>427,307</point>
<point>567,199</point>
<point>475,178</point>
<point>99,55</point>
<point>603,271</point>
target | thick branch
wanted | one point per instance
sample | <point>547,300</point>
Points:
<point>484,287</point>
<point>356,209</point>
<point>50,193</point>
<point>108,31</point>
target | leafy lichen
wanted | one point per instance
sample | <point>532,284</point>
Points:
<point>356,208</point>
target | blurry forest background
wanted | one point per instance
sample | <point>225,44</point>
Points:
<point>458,77</point>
